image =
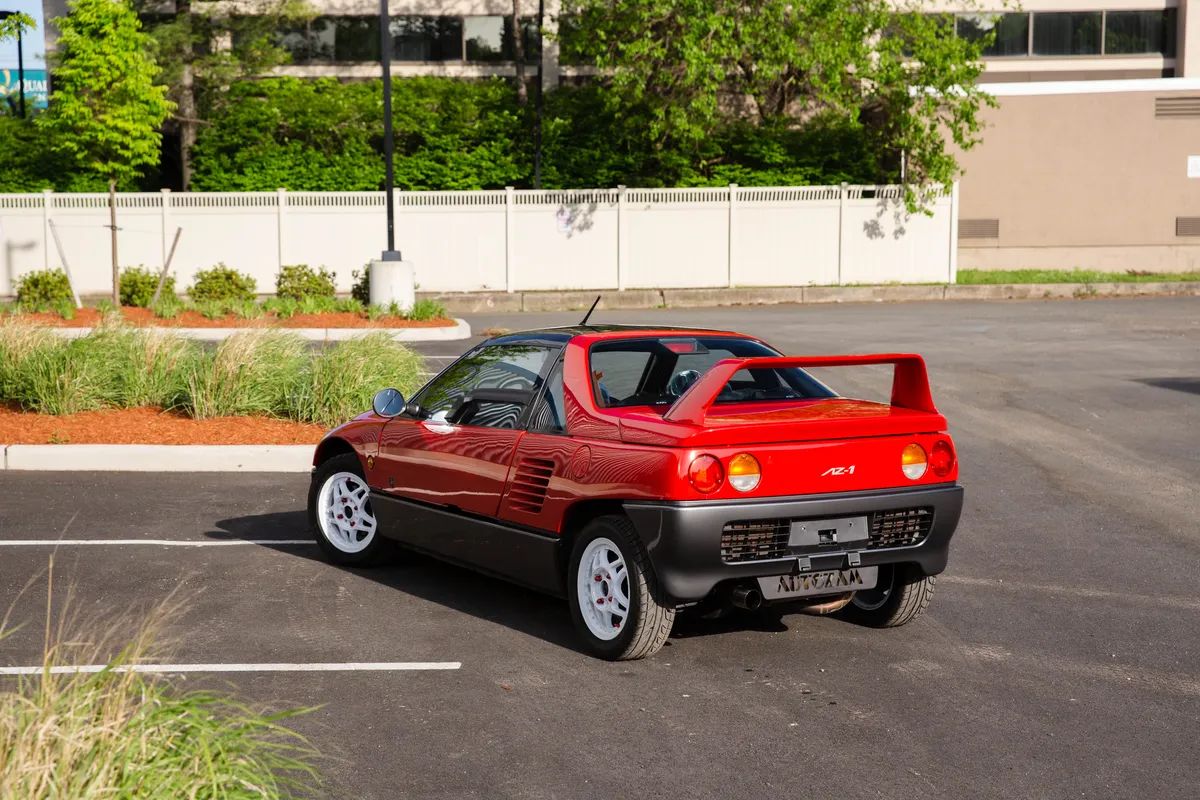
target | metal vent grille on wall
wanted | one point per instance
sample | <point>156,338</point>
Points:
<point>979,229</point>
<point>1187,226</point>
<point>1176,107</point>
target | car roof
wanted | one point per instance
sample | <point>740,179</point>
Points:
<point>566,333</point>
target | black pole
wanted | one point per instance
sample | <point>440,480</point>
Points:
<point>21,70</point>
<point>537,102</point>
<point>389,181</point>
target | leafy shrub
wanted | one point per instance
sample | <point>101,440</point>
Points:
<point>426,309</point>
<point>138,284</point>
<point>167,307</point>
<point>222,283</point>
<point>43,289</point>
<point>299,281</point>
<point>361,289</point>
<point>282,307</point>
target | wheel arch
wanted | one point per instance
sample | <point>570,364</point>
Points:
<point>332,446</point>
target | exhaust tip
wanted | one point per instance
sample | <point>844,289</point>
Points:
<point>745,597</point>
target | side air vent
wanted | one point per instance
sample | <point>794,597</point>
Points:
<point>532,479</point>
<point>1187,226</point>
<point>979,229</point>
<point>1177,107</point>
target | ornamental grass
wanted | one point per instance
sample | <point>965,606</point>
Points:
<point>257,372</point>
<point>119,734</point>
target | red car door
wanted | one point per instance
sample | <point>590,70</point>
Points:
<point>459,454</point>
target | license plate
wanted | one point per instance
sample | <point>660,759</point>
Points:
<point>836,581</point>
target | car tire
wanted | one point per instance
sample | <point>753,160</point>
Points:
<point>610,569</point>
<point>902,595</point>
<point>340,513</point>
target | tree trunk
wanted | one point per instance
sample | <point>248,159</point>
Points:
<point>519,54</point>
<point>112,220</point>
<point>185,113</point>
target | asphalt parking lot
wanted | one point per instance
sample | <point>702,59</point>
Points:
<point>1060,657</point>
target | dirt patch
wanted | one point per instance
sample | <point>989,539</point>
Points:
<point>149,426</point>
<point>144,318</point>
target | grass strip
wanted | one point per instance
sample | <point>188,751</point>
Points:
<point>1003,276</point>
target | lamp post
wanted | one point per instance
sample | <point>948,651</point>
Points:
<point>20,62</point>
<point>385,59</point>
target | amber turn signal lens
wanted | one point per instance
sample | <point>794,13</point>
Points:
<point>744,472</point>
<point>942,459</point>
<point>914,461</point>
<point>706,474</point>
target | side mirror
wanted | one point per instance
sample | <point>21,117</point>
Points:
<point>413,409</point>
<point>388,403</point>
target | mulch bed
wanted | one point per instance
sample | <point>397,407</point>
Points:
<point>149,426</point>
<point>144,318</point>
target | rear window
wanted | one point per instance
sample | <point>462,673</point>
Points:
<point>656,371</point>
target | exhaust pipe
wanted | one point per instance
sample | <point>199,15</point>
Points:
<point>746,598</point>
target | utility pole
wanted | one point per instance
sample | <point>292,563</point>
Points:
<point>389,181</point>
<point>112,217</point>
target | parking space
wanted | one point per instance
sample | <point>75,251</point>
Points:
<point>1059,657</point>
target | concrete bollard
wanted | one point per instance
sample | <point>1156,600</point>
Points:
<point>393,282</point>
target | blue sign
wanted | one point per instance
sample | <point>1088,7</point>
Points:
<point>33,52</point>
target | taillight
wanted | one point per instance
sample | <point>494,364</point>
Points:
<point>913,461</point>
<point>706,474</point>
<point>941,460</point>
<point>744,472</point>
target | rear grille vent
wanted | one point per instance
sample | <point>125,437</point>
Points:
<point>979,229</point>
<point>758,540</point>
<point>1176,107</point>
<point>1187,226</point>
<point>900,527</point>
<point>528,490</point>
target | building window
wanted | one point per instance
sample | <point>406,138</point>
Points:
<point>486,39</point>
<point>357,39</point>
<point>1011,32</point>
<point>1067,33</point>
<point>1127,32</point>
<point>427,38</point>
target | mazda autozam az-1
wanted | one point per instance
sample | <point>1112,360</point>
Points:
<point>637,471</point>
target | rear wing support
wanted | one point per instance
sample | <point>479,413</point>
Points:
<point>910,381</point>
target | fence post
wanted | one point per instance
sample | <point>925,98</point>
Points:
<point>622,239</point>
<point>165,220</point>
<point>46,203</point>
<point>510,194</point>
<point>953,255</point>
<point>280,213</point>
<point>730,239</point>
<point>841,227</point>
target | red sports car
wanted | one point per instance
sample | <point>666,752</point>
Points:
<point>641,470</point>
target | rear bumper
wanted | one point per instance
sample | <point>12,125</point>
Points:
<point>684,538</point>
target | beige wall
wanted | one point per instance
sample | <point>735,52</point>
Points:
<point>1087,180</point>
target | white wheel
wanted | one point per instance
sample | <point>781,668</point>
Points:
<point>602,585</point>
<point>344,512</point>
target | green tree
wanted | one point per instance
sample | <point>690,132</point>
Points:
<point>686,68</point>
<point>105,110</point>
<point>14,22</point>
<point>203,48</point>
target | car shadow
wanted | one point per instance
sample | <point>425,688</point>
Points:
<point>493,599</point>
<point>1189,385</point>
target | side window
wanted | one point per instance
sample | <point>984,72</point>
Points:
<point>514,367</point>
<point>549,415</point>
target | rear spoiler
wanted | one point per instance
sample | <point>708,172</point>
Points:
<point>910,381</point>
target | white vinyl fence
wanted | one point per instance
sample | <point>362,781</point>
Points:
<point>504,240</point>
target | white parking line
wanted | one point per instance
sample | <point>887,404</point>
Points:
<point>160,542</point>
<point>349,666</point>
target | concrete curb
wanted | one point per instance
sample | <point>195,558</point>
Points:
<point>157,457</point>
<point>459,330</point>
<point>493,302</point>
